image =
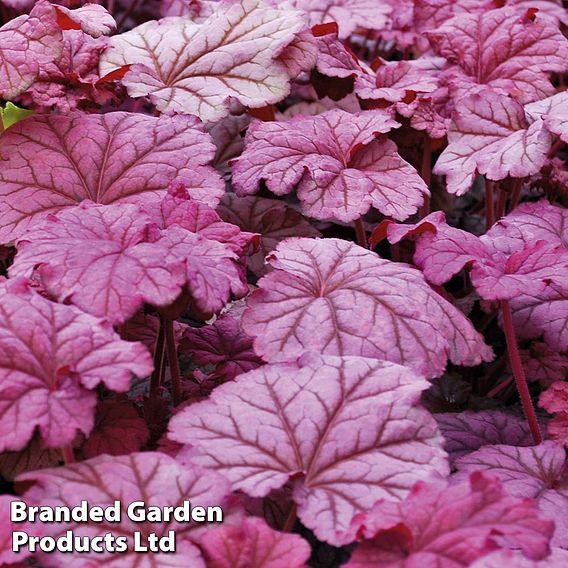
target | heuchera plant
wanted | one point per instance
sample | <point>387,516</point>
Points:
<point>304,260</point>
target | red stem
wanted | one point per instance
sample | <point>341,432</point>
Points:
<point>360,232</point>
<point>426,174</point>
<point>290,519</point>
<point>559,144</point>
<point>68,455</point>
<point>156,379</point>
<point>519,373</point>
<point>171,349</point>
<point>515,194</point>
<point>131,8</point>
<point>497,389</point>
<point>489,204</point>
<point>502,199</point>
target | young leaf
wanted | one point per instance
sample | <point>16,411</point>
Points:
<point>194,68</point>
<point>555,401</point>
<point>51,162</point>
<point>345,428</point>
<point>272,219</point>
<point>450,526</point>
<point>51,356</point>
<point>334,159</point>
<point>253,544</point>
<point>99,258</point>
<point>222,344</point>
<point>11,114</point>
<point>151,477</point>
<point>91,18</point>
<point>468,431</point>
<point>340,299</point>
<point>538,472</point>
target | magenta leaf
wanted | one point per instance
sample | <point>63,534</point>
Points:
<point>253,544</point>
<point>340,299</point>
<point>118,430</point>
<point>468,431</point>
<point>503,49</point>
<point>556,117</point>
<point>491,134</point>
<point>272,219</point>
<point>98,257</point>
<point>555,400</point>
<point>222,344</point>
<point>339,167</point>
<point>348,14</point>
<point>450,526</point>
<point>544,365</point>
<point>52,162</point>
<point>27,43</point>
<point>194,68</point>
<point>344,427</point>
<point>539,472</point>
<point>52,355</point>
<point>151,477</point>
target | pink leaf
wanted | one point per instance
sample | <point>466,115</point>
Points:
<point>272,219</point>
<point>153,478</point>
<point>334,159</point>
<point>340,299</point>
<point>349,14</point>
<point>557,559</point>
<point>118,430</point>
<point>98,257</point>
<point>544,365</point>
<point>91,18</point>
<point>449,526</point>
<point>27,44</point>
<point>194,68</point>
<point>253,544</point>
<point>468,431</point>
<point>539,472</point>
<point>223,344</point>
<point>556,117</point>
<point>491,134</point>
<point>344,427</point>
<point>52,162</point>
<point>51,355</point>
<point>503,49</point>
<point>334,59</point>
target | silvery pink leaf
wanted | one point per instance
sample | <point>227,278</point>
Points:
<point>253,544</point>
<point>52,162</point>
<point>537,472</point>
<point>503,49</point>
<point>300,54</point>
<point>51,357</point>
<point>223,344</point>
<point>334,59</point>
<point>212,271</point>
<point>544,365</point>
<point>465,432</point>
<point>194,68</point>
<point>491,134</point>
<point>394,80</point>
<point>431,114</point>
<point>449,526</point>
<point>340,299</point>
<point>556,115</point>
<point>543,314</point>
<point>557,558</point>
<point>119,429</point>
<point>528,223</point>
<point>151,477</point>
<point>272,219</point>
<point>343,428</point>
<point>27,44</point>
<point>339,167</point>
<point>98,257</point>
<point>348,14</point>
<point>91,18</point>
